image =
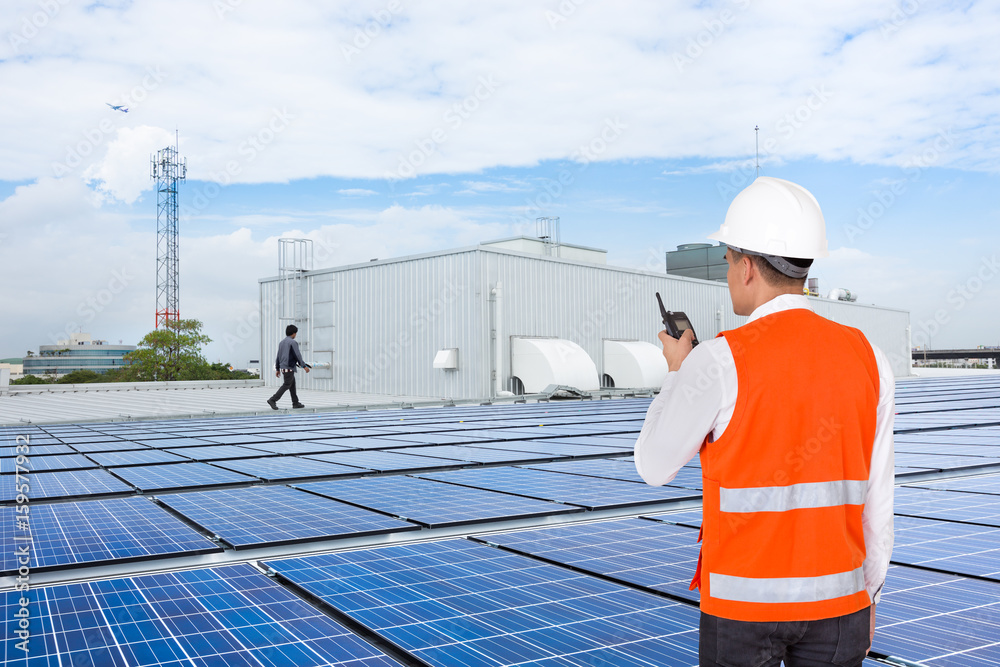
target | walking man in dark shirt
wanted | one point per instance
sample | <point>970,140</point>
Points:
<point>284,367</point>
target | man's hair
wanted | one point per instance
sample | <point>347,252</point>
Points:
<point>771,275</point>
<point>290,329</point>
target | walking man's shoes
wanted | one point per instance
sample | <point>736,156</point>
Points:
<point>297,405</point>
<point>271,402</point>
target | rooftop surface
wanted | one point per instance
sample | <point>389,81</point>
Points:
<point>486,535</point>
<point>51,404</point>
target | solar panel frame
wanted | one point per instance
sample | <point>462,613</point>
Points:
<point>136,457</point>
<point>117,446</point>
<point>656,556</point>
<point>988,484</point>
<point>177,476</point>
<point>918,607</point>
<point>958,506</point>
<point>66,535</point>
<point>231,615</point>
<point>957,548</point>
<point>588,492</point>
<point>455,602</point>
<point>8,466</point>
<point>433,504</point>
<point>38,450</point>
<point>65,484</point>
<point>278,515</point>
<point>384,461</point>
<point>276,468</point>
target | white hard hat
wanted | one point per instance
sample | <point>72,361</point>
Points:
<point>775,217</point>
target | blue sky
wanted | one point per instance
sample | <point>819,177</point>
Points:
<point>382,128</point>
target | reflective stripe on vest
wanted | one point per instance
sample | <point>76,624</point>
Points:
<point>793,496</point>
<point>790,589</point>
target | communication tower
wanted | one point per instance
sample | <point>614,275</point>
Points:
<point>168,169</point>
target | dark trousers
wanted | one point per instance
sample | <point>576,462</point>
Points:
<point>840,641</point>
<point>288,384</point>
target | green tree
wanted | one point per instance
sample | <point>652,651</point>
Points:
<point>80,377</point>
<point>221,371</point>
<point>172,352</point>
<point>31,379</point>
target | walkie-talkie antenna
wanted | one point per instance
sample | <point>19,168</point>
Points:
<point>756,142</point>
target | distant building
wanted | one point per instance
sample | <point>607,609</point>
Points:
<point>79,353</point>
<point>698,260</point>
<point>512,316</point>
<point>14,366</point>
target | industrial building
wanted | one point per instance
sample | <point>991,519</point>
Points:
<point>77,353</point>
<point>509,316</point>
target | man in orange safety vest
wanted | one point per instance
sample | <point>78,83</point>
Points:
<point>795,437</point>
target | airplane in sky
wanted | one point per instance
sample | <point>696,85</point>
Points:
<point>118,107</point>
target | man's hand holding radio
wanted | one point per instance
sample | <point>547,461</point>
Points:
<point>676,350</point>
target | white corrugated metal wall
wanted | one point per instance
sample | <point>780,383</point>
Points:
<point>380,324</point>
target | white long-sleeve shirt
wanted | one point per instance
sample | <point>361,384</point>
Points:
<point>699,400</point>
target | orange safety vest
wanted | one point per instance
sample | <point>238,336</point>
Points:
<point>785,484</point>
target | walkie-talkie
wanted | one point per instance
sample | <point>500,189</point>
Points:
<point>676,323</point>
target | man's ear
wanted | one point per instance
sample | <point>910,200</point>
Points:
<point>749,269</point>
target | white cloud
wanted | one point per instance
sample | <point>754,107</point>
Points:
<point>71,264</point>
<point>356,192</point>
<point>826,82</point>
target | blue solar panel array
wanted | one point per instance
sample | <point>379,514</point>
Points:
<point>592,493</point>
<point>432,503</point>
<point>458,603</point>
<point>543,468</point>
<point>224,616</point>
<point>277,515</point>
<point>179,476</point>
<point>656,556</point>
<point>88,532</point>
<point>64,484</point>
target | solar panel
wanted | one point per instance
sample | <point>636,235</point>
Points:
<point>271,515</point>
<point>689,518</point>
<point>288,467</point>
<point>589,492</point>
<point>948,505</point>
<point>937,619</point>
<point>92,531</point>
<point>64,484</point>
<point>173,443</point>
<point>359,442</point>
<point>942,461</point>
<point>458,603</point>
<point>117,446</point>
<point>87,438</point>
<point>237,439</point>
<point>431,503</point>
<point>384,461</point>
<point>473,454</point>
<point>298,447</point>
<point>554,448</point>
<point>603,468</point>
<point>43,463</point>
<point>135,458</point>
<point>228,616</point>
<point>985,484</point>
<point>657,556</point>
<point>38,450</point>
<point>959,548</point>
<point>688,477</point>
<point>170,476</point>
<point>215,452</point>
<point>433,438</point>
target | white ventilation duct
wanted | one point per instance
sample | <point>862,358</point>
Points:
<point>540,362</point>
<point>634,364</point>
